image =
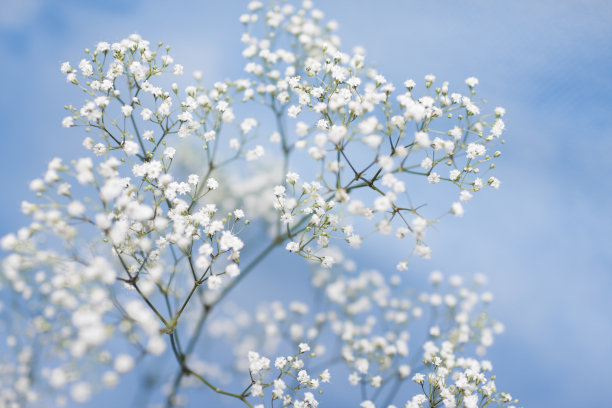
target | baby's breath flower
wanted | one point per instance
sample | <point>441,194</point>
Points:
<point>212,184</point>
<point>152,236</point>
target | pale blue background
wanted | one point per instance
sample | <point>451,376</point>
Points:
<point>544,238</point>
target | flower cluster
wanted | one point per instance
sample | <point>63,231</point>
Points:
<point>292,377</point>
<point>132,247</point>
<point>160,231</point>
<point>377,329</point>
<point>366,133</point>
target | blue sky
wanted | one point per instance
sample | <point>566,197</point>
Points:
<point>543,238</point>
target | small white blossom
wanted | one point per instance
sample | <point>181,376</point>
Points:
<point>212,184</point>
<point>127,110</point>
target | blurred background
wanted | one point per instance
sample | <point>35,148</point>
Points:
<point>543,238</point>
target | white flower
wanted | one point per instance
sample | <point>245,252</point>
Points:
<point>257,363</point>
<point>255,154</point>
<point>146,114</point>
<point>169,152</point>
<point>327,262</point>
<point>293,111</point>
<point>279,191</point>
<point>292,178</point>
<point>85,67</point>
<point>214,282</point>
<point>67,122</point>
<point>210,135</point>
<point>471,82</point>
<point>457,209</point>
<point>474,149</point>
<point>212,184</point>
<point>156,345</point>
<point>339,73</point>
<point>465,195</point>
<point>292,247</point>
<point>80,392</point>
<point>423,251</point>
<point>103,46</point>
<point>234,144</point>
<point>426,163</point>
<point>75,209</point>
<point>422,139</point>
<point>494,182</point>
<point>247,125</point>
<point>497,128</point>
<point>123,363</point>
<point>66,68</point>
<point>337,133</point>
<point>130,148</point>
<point>354,378</point>
<point>404,371</point>
<point>362,365</point>
<point>232,270</point>
<point>127,110</point>
<point>99,149</point>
